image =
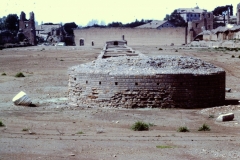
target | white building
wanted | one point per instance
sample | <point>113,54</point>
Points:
<point>190,14</point>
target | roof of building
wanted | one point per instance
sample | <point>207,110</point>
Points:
<point>153,24</point>
<point>190,10</point>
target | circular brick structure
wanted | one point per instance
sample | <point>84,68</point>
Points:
<point>141,81</point>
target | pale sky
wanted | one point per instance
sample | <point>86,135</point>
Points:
<point>83,11</point>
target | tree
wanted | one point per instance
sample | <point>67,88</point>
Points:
<point>176,19</point>
<point>12,22</point>
<point>167,17</point>
<point>68,27</point>
<point>92,22</point>
<point>115,24</point>
<point>220,10</point>
<point>135,24</point>
<point>2,23</point>
<point>102,23</point>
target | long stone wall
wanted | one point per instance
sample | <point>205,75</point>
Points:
<point>99,36</point>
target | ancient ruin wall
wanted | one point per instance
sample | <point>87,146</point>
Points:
<point>165,36</point>
<point>132,88</point>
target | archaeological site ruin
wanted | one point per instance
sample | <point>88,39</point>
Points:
<point>125,78</point>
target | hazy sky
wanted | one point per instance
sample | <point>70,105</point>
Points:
<point>83,11</point>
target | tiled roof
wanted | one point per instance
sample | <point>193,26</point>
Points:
<point>153,24</point>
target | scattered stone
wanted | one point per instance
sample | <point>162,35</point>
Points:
<point>225,117</point>
<point>22,99</point>
<point>228,89</point>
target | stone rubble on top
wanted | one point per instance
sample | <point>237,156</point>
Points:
<point>144,65</point>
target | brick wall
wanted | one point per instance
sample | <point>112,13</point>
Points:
<point>163,91</point>
<point>165,36</point>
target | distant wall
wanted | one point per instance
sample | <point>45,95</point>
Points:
<point>165,36</point>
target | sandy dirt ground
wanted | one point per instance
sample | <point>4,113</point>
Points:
<point>55,130</point>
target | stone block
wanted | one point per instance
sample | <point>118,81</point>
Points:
<point>225,117</point>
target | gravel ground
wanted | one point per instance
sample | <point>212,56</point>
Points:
<point>54,130</point>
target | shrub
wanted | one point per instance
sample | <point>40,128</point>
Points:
<point>4,74</point>
<point>239,56</point>
<point>160,49</point>
<point>163,147</point>
<point>233,56</point>
<point>20,74</point>
<point>25,129</point>
<point>80,132</point>
<point>183,129</point>
<point>176,50</point>
<point>1,124</point>
<point>140,126</point>
<point>204,127</point>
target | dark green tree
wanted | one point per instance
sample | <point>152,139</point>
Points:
<point>220,10</point>
<point>11,22</point>
<point>2,23</point>
<point>68,27</point>
<point>115,24</point>
<point>167,17</point>
<point>176,19</point>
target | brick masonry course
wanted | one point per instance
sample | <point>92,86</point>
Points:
<point>138,82</point>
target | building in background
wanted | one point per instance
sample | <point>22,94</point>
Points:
<point>191,14</point>
<point>27,31</point>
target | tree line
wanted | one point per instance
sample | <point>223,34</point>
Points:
<point>120,24</point>
<point>11,23</point>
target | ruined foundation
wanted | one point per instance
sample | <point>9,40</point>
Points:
<point>141,81</point>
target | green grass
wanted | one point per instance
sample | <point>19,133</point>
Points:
<point>80,132</point>
<point>140,126</point>
<point>204,127</point>
<point>4,74</point>
<point>20,74</point>
<point>163,147</point>
<point>1,124</point>
<point>183,129</point>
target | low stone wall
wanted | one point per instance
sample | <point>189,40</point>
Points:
<point>184,90</point>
